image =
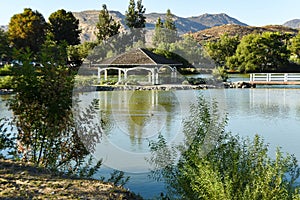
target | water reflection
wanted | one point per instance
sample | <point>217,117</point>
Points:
<point>139,114</point>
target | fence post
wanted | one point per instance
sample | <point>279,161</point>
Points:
<point>286,76</point>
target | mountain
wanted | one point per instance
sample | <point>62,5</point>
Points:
<point>211,20</point>
<point>184,25</point>
<point>88,19</point>
<point>215,32</point>
<point>295,23</point>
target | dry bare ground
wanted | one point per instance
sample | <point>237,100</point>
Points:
<point>23,181</point>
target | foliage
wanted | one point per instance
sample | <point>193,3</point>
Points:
<point>118,178</point>
<point>165,32</point>
<point>63,26</point>
<point>6,82</point>
<point>77,53</point>
<point>222,49</point>
<point>27,30</point>
<point>220,74</point>
<point>48,134</point>
<point>186,51</point>
<point>294,47</point>
<point>5,70</point>
<point>5,50</point>
<point>135,20</point>
<point>214,164</point>
<point>169,23</point>
<point>51,53</point>
<point>7,137</point>
<point>256,52</point>
<point>107,26</point>
<point>134,16</point>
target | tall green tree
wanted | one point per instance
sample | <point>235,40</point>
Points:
<point>27,30</point>
<point>5,50</point>
<point>169,22</point>
<point>107,26</point>
<point>134,16</point>
<point>63,26</point>
<point>48,133</point>
<point>165,32</point>
<point>141,19</point>
<point>294,47</point>
<point>260,52</point>
<point>136,21</point>
<point>222,49</point>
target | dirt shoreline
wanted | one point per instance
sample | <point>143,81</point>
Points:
<point>23,181</point>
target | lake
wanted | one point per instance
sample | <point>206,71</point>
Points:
<point>133,118</point>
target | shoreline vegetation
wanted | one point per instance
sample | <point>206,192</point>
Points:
<point>20,180</point>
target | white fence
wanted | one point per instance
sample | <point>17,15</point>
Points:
<point>275,77</point>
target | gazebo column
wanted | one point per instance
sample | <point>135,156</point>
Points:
<point>174,72</point>
<point>105,74</point>
<point>153,76</point>
<point>125,74</point>
<point>120,76</point>
<point>149,77</point>
<point>99,75</point>
<point>156,77</point>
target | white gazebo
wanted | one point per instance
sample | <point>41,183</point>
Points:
<point>138,59</point>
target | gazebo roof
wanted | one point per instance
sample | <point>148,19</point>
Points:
<point>137,57</point>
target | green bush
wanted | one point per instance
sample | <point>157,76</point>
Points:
<point>214,164</point>
<point>6,82</point>
<point>5,70</point>
<point>220,74</point>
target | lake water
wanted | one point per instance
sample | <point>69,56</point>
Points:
<point>136,117</point>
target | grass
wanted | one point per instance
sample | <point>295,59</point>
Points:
<point>23,181</point>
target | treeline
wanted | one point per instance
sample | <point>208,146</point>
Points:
<point>29,32</point>
<point>265,52</point>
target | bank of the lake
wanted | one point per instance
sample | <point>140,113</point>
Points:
<point>23,181</point>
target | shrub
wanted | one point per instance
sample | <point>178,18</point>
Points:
<point>6,82</point>
<point>214,164</point>
<point>5,70</point>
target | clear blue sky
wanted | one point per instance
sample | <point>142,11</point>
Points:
<point>252,12</point>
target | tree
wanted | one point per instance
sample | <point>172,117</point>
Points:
<point>134,16</point>
<point>158,36</point>
<point>63,26</point>
<point>294,47</point>
<point>260,52</point>
<point>222,49</point>
<point>48,134</point>
<point>169,23</point>
<point>165,32</point>
<point>107,26</point>
<point>27,30</point>
<point>5,50</point>
<point>77,53</point>
<point>214,164</point>
<point>136,21</point>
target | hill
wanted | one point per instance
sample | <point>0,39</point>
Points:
<point>214,33</point>
<point>295,23</point>
<point>211,20</point>
<point>88,19</point>
<point>20,181</point>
